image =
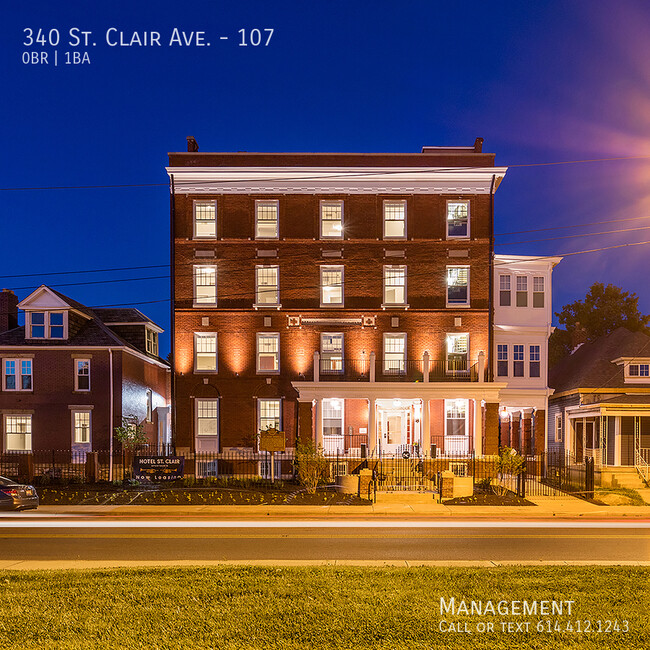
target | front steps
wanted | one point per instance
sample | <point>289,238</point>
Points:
<point>623,477</point>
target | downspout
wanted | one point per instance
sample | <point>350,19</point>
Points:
<point>172,329</point>
<point>491,286</point>
<point>111,415</point>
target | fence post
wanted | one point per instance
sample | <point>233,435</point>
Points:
<point>589,477</point>
<point>523,481</point>
<point>26,467</point>
<point>92,467</point>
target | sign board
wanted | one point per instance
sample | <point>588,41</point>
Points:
<point>272,440</point>
<point>158,468</point>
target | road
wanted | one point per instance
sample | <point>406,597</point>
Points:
<point>56,539</point>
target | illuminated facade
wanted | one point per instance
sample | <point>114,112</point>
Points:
<point>341,297</point>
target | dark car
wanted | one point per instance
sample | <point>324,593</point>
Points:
<point>14,496</point>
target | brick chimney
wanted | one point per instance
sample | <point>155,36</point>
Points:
<point>8,310</point>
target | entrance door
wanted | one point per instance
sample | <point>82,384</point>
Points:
<point>579,441</point>
<point>393,430</point>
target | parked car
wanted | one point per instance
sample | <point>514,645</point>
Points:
<point>14,496</point>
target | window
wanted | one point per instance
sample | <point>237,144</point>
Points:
<point>331,219</point>
<point>267,291</point>
<point>18,432</point>
<point>205,285</point>
<point>639,370</point>
<point>207,417</point>
<point>394,285</point>
<point>502,360</point>
<point>17,374</point>
<point>331,352</point>
<point>522,291</point>
<point>534,361</point>
<point>538,292</point>
<point>205,352</point>
<point>457,219</point>
<point>558,428</point>
<point>504,291</point>
<point>47,324</point>
<point>268,414</point>
<point>332,417</point>
<point>268,352</point>
<point>457,350</point>
<point>81,427</point>
<point>266,220</point>
<point>331,286</point>
<point>82,374</point>
<point>394,354</point>
<point>151,341</point>
<point>149,406</point>
<point>458,286</point>
<point>205,219</point>
<point>518,360</point>
<point>456,417</point>
<point>394,219</point>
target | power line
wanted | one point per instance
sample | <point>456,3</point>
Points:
<point>122,268</point>
<point>578,225</point>
<point>586,234</point>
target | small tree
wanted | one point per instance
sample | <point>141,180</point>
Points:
<point>311,465</point>
<point>510,463</point>
<point>131,435</point>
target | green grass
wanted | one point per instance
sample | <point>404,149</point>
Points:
<point>286,608</point>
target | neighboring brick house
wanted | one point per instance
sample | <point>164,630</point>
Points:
<point>344,297</point>
<point>601,404</point>
<point>71,373</point>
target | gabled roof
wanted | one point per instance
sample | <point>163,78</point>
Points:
<point>123,315</point>
<point>591,365</point>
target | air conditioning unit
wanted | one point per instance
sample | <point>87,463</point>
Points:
<point>294,321</point>
<point>368,321</point>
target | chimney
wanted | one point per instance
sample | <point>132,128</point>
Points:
<point>578,337</point>
<point>192,144</point>
<point>8,310</point>
<point>478,145</point>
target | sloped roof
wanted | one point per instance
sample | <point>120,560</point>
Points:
<point>590,366</point>
<point>121,315</point>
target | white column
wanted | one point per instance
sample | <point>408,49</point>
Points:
<point>617,440</point>
<point>372,426</point>
<point>316,366</point>
<point>481,366</point>
<point>426,426</point>
<point>425,368</point>
<point>478,427</point>
<point>371,373</point>
<point>319,422</point>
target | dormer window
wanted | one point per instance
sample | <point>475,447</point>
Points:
<point>152,342</point>
<point>639,369</point>
<point>636,371</point>
<point>47,325</point>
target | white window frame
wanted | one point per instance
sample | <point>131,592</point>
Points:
<point>149,405</point>
<point>387,364</point>
<point>387,269</point>
<point>466,303</point>
<point>559,430</point>
<point>637,377</point>
<point>18,361</point>
<point>267,335</point>
<point>538,361</point>
<point>524,279</point>
<point>329,355</point>
<point>266,305</point>
<point>515,360</point>
<point>197,402</point>
<point>267,203</point>
<point>29,434</point>
<point>536,279</point>
<point>275,400</point>
<point>502,356</point>
<point>447,219</point>
<point>502,291</point>
<point>198,268</point>
<point>195,221</point>
<point>77,375</point>
<point>326,204</point>
<point>389,203</point>
<point>326,268</point>
<point>151,341</point>
<point>74,414</point>
<point>450,337</point>
<point>206,335</point>
<point>328,403</point>
<point>448,405</point>
<point>47,324</point>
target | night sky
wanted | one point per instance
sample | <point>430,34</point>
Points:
<point>541,82</point>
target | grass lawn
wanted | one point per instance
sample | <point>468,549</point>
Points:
<point>273,608</point>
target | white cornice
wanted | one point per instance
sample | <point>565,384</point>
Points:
<point>335,180</point>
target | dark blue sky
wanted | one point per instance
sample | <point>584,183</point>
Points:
<point>541,82</point>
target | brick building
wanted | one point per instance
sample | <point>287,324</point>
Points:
<point>343,297</point>
<point>71,372</point>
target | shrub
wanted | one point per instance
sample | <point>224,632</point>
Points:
<point>311,465</point>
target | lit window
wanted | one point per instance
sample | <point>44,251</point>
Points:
<point>502,360</point>
<point>268,414</point>
<point>81,426</point>
<point>151,341</point>
<point>558,428</point>
<point>456,417</point>
<point>458,286</point>
<point>504,291</point>
<point>518,360</point>
<point>331,352</point>
<point>331,219</point>
<point>394,354</point>
<point>267,292</point>
<point>394,285</point>
<point>205,285</point>
<point>522,291</point>
<point>205,352</point>
<point>18,432</point>
<point>266,219</point>
<point>47,325</point>
<point>333,417</point>
<point>17,374</point>
<point>535,365</point>
<point>457,219</point>
<point>205,219</point>
<point>207,417</point>
<point>149,405</point>
<point>82,374</point>
<point>457,352</point>
<point>331,286</point>
<point>394,219</point>
<point>268,352</point>
<point>538,292</point>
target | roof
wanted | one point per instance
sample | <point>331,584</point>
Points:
<point>121,315</point>
<point>590,366</point>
